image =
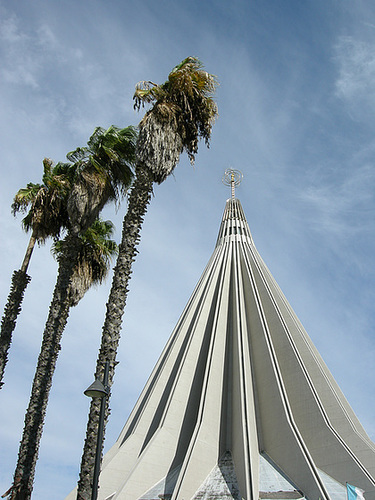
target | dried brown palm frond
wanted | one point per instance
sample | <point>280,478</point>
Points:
<point>183,112</point>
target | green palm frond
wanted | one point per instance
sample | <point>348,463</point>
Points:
<point>95,253</point>
<point>25,197</point>
<point>61,177</point>
<point>111,154</point>
<point>45,203</point>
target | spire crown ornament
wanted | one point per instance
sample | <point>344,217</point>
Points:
<point>232,178</point>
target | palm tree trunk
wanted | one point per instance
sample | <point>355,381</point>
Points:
<point>12,309</point>
<point>35,415</point>
<point>20,280</point>
<point>29,251</point>
<point>139,199</point>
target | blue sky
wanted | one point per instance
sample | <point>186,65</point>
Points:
<point>296,104</point>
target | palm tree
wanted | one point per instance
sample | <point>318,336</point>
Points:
<point>183,111</point>
<point>103,171</point>
<point>94,252</point>
<point>47,217</point>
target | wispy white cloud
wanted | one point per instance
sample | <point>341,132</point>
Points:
<point>30,56</point>
<point>337,205</point>
<point>355,82</point>
<point>18,67</point>
<point>66,83</point>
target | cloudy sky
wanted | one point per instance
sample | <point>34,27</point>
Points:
<point>297,117</point>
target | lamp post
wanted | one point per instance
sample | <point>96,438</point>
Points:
<point>100,390</point>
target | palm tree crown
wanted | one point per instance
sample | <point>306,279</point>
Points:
<point>183,112</point>
<point>47,215</point>
<point>103,173</point>
<point>94,254</point>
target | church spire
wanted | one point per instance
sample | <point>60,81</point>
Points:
<point>240,405</point>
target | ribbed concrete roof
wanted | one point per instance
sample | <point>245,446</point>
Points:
<point>240,404</point>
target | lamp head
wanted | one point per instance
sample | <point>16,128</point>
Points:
<point>96,390</point>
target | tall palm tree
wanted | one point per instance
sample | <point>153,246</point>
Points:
<point>103,170</point>
<point>47,216</point>
<point>94,252</point>
<point>182,112</point>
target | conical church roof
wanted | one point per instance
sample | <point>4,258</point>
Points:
<point>240,404</point>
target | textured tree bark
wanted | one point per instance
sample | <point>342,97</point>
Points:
<point>36,411</point>
<point>20,280</point>
<point>139,199</point>
<point>85,202</point>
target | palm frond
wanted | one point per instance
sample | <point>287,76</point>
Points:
<point>77,155</point>
<point>25,197</point>
<point>94,256</point>
<point>147,92</point>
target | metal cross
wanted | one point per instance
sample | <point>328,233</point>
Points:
<point>232,178</point>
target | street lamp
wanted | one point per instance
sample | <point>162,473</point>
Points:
<point>100,390</point>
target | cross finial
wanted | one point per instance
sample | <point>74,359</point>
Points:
<point>232,178</point>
